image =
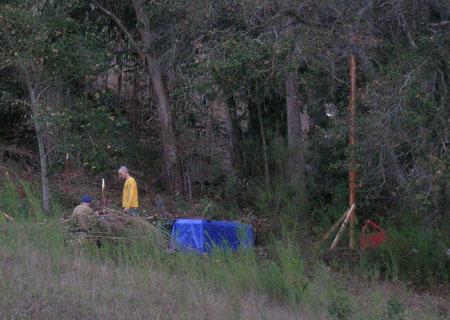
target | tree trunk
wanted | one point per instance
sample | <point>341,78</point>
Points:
<point>263,140</point>
<point>234,153</point>
<point>235,135</point>
<point>173,175</point>
<point>41,145</point>
<point>53,99</point>
<point>167,131</point>
<point>399,10</point>
<point>172,172</point>
<point>295,141</point>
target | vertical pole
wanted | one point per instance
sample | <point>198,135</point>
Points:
<point>190,187</point>
<point>66,177</point>
<point>352,145</point>
<point>103,195</point>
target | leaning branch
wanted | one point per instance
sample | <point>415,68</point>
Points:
<point>121,26</point>
<point>439,24</point>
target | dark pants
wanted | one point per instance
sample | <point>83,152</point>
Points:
<point>134,212</point>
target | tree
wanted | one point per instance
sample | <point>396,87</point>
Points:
<point>40,45</point>
<point>144,49</point>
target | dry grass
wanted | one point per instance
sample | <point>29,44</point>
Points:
<point>37,287</point>
<point>36,284</point>
<point>40,278</point>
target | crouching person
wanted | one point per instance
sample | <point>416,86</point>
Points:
<point>82,214</point>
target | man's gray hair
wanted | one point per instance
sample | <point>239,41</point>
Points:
<point>123,169</point>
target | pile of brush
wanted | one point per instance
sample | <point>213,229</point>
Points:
<point>114,225</point>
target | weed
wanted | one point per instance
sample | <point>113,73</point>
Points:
<point>395,309</point>
<point>341,306</point>
<point>413,253</point>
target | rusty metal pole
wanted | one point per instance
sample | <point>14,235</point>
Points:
<point>66,178</point>
<point>352,124</point>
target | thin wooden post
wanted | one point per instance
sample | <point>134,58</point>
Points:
<point>352,175</point>
<point>66,178</point>
<point>350,213</point>
<point>103,195</point>
<point>325,237</point>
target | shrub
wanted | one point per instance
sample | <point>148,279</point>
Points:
<point>395,309</point>
<point>341,306</point>
<point>413,252</point>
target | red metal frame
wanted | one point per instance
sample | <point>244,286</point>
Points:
<point>374,239</point>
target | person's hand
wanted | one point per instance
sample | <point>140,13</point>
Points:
<point>125,210</point>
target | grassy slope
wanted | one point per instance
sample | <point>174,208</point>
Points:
<point>41,278</point>
<point>44,277</point>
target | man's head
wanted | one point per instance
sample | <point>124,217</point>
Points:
<point>86,199</point>
<point>123,173</point>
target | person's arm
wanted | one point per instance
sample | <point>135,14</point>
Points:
<point>125,201</point>
<point>128,195</point>
<point>131,192</point>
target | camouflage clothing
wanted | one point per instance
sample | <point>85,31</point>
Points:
<point>82,215</point>
<point>82,210</point>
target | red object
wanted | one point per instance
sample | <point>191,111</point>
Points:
<point>374,239</point>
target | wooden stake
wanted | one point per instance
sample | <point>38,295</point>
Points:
<point>66,180</point>
<point>349,214</point>
<point>325,237</point>
<point>352,174</point>
<point>103,195</point>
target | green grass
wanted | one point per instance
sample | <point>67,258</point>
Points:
<point>412,253</point>
<point>44,276</point>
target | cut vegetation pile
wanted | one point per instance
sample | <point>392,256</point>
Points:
<point>114,225</point>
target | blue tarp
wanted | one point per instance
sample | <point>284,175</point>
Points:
<point>202,235</point>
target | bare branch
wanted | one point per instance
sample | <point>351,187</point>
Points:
<point>42,92</point>
<point>48,152</point>
<point>15,101</point>
<point>122,27</point>
<point>439,24</point>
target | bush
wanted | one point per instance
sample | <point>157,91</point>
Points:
<point>412,252</point>
<point>395,309</point>
<point>341,306</point>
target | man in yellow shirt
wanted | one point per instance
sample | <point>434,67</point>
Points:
<point>130,202</point>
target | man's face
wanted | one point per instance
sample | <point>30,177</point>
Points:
<point>122,175</point>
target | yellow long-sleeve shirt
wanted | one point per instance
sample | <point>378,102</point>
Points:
<point>130,194</point>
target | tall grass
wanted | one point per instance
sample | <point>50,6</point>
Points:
<point>414,253</point>
<point>19,198</point>
<point>43,275</point>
